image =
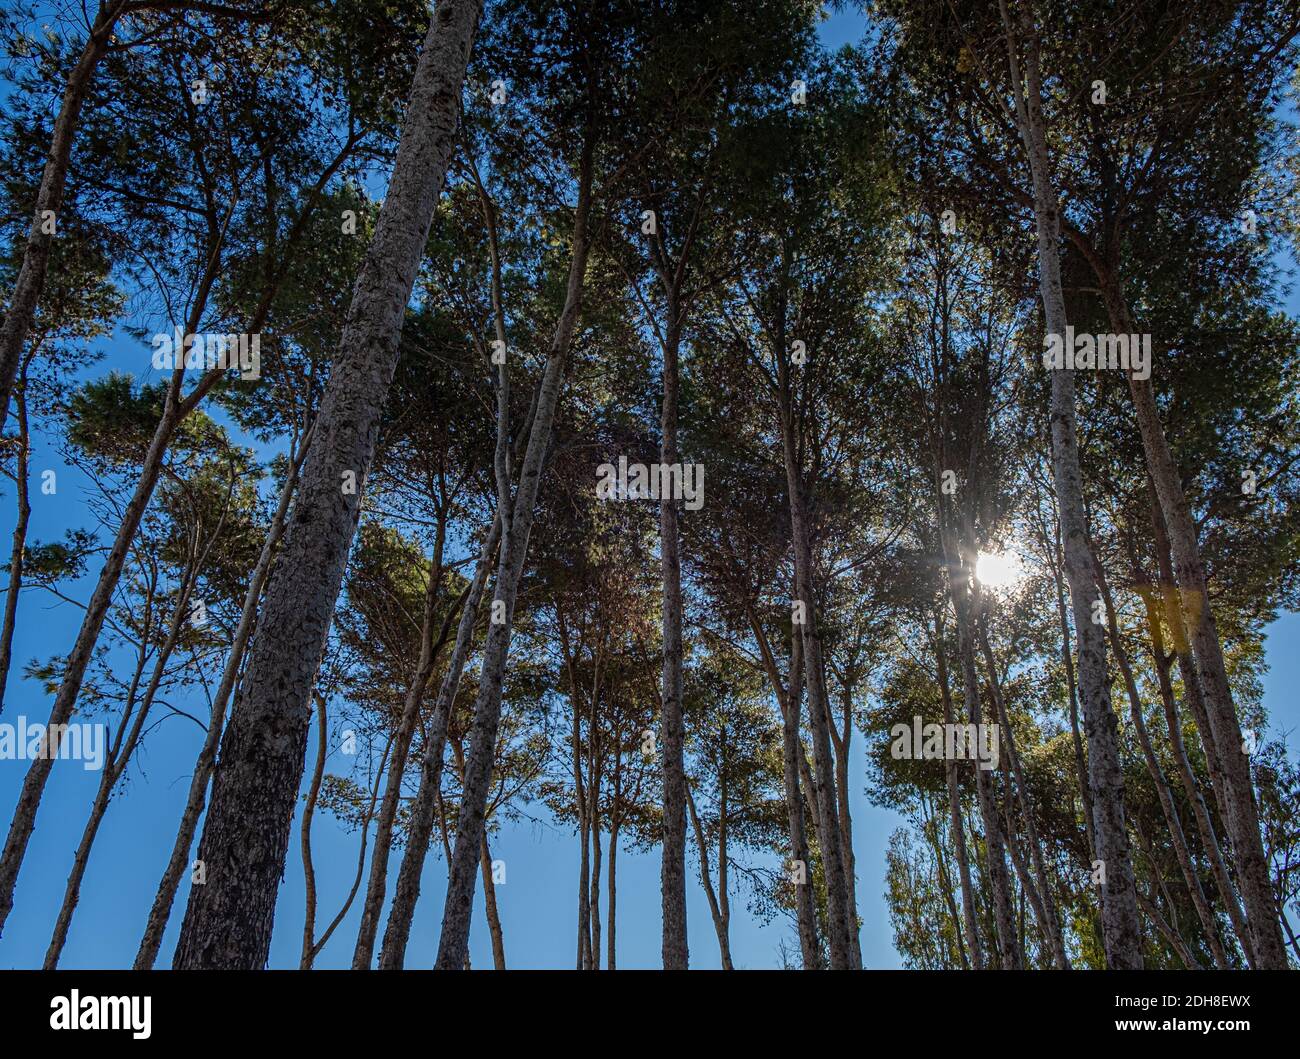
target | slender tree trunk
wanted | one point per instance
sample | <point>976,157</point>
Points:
<point>1076,739</point>
<point>945,884</point>
<point>304,834</point>
<point>673,741</point>
<point>490,902</point>
<point>597,856</point>
<point>49,198</point>
<point>245,838</point>
<point>789,697</point>
<point>955,814</point>
<point>392,953</point>
<point>584,842</point>
<point>1242,814</point>
<point>311,949</point>
<point>364,951</point>
<point>1177,836</point>
<point>130,731</point>
<point>1045,906</point>
<point>22,461</point>
<point>1201,813</point>
<point>612,878</point>
<point>161,910</point>
<point>29,799</point>
<point>720,925</point>
<point>1000,880</point>
<point>841,746</point>
<point>1120,927</point>
<point>487,709</point>
<point>828,829</point>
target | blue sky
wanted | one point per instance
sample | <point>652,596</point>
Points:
<point>538,900</point>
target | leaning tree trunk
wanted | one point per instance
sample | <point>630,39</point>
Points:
<point>364,950</point>
<point>1200,811</point>
<point>823,787</point>
<point>1121,929</point>
<point>1177,836</point>
<point>955,813</point>
<point>65,699</point>
<point>18,548</point>
<point>130,732</point>
<point>454,943</point>
<point>999,877</point>
<point>673,870</point>
<point>1241,813</point>
<point>719,915</point>
<point>245,838</point>
<point>1045,903</point>
<point>392,952</point>
<point>160,913</point>
<point>490,904</point>
<point>49,197</point>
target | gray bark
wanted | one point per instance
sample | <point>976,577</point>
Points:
<point>397,933</point>
<point>673,742</point>
<point>245,838</point>
<point>364,950</point>
<point>955,815</point>
<point>195,800</point>
<point>1120,926</point>
<point>1045,903</point>
<point>18,548</point>
<point>1241,814</point>
<point>518,522</point>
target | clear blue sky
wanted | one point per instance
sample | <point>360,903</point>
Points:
<point>538,902</point>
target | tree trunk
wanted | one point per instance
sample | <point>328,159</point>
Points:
<point>1120,927</point>
<point>36,257</point>
<point>392,953</point>
<point>1045,906</point>
<point>1241,813</point>
<point>841,746</point>
<point>720,925</point>
<point>1204,825</point>
<point>22,460</point>
<point>308,811</point>
<point>377,883</point>
<point>789,697</point>
<point>1168,808</point>
<point>228,922</point>
<point>999,877</point>
<point>490,902</point>
<point>311,949</point>
<point>487,708</point>
<point>828,830</point>
<point>955,814</point>
<point>611,875</point>
<point>130,731</point>
<point>673,743</point>
<point>161,910</point>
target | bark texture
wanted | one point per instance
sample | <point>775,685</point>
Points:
<point>245,838</point>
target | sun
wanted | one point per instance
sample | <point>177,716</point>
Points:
<point>999,570</point>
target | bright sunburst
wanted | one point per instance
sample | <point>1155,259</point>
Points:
<point>999,570</point>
